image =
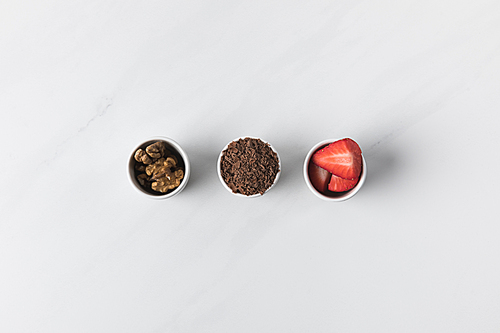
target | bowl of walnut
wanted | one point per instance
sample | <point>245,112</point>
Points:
<point>159,168</point>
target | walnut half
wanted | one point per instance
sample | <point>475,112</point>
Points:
<point>157,150</point>
<point>141,156</point>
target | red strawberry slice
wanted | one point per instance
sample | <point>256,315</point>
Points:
<point>338,184</point>
<point>319,177</point>
<point>342,158</point>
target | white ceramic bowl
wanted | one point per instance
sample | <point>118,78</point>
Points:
<point>175,148</point>
<point>341,196</point>
<point>239,194</point>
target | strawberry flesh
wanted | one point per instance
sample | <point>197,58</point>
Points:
<point>342,158</point>
<point>319,177</point>
<point>338,184</point>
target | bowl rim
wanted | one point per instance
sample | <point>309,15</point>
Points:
<point>182,153</point>
<point>348,194</point>
<point>239,194</point>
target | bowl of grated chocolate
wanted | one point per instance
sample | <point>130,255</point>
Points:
<point>248,167</point>
<point>159,168</point>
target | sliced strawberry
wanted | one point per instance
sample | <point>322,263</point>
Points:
<point>319,177</point>
<point>338,184</point>
<point>342,158</point>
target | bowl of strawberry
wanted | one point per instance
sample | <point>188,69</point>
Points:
<point>335,170</point>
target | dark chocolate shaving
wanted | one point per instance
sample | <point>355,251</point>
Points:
<point>249,166</point>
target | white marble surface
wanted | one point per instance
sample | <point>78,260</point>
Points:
<point>415,83</point>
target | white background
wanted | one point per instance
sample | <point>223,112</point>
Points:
<point>415,83</point>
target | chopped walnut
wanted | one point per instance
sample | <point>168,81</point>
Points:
<point>157,150</point>
<point>153,168</point>
<point>163,171</point>
<point>171,160</point>
<point>169,182</point>
<point>179,174</point>
<point>141,156</point>
<point>160,167</point>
